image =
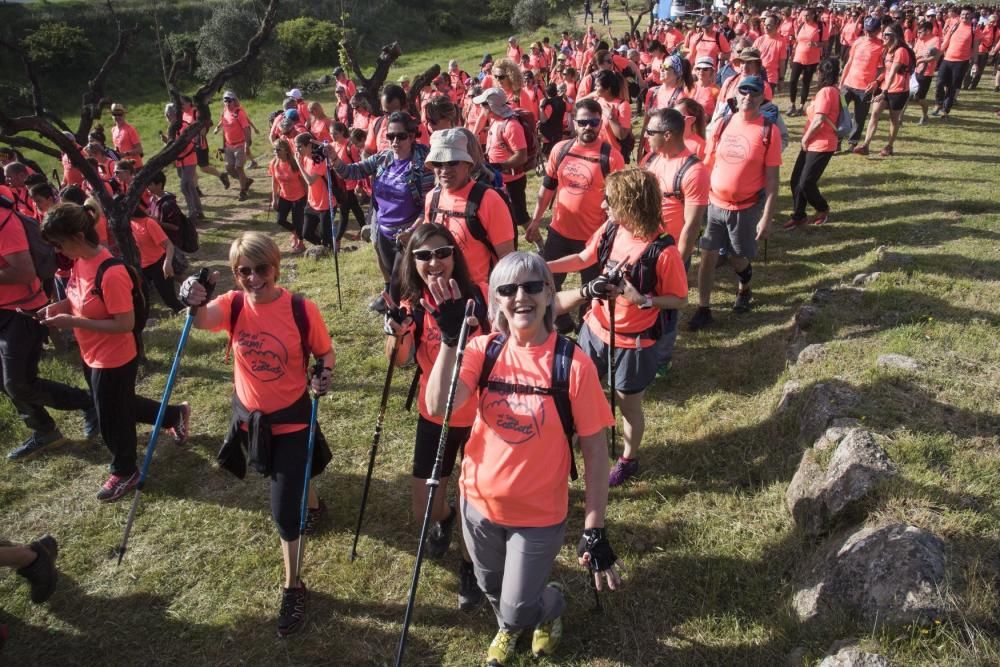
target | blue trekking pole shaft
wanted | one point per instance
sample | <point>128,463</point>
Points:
<point>435,479</point>
<point>160,414</point>
<point>304,507</point>
<point>335,232</point>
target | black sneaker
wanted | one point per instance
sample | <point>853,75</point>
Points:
<point>91,424</point>
<point>35,444</point>
<point>469,594</point>
<point>701,319</point>
<point>224,178</point>
<point>378,305</point>
<point>440,536</point>
<point>313,516</point>
<point>743,301</point>
<point>42,574</point>
<point>292,614</point>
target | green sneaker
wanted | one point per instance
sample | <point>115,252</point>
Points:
<point>546,636</point>
<point>502,647</point>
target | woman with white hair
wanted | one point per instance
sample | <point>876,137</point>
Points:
<point>533,393</point>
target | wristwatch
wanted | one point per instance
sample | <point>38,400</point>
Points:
<point>647,304</point>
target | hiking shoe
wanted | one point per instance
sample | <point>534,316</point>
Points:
<point>821,218</point>
<point>224,178</point>
<point>117,486</point>
<point>922,121</point>
<point>624,470</point>
<point>313,516</point>
<point>41,573</point>
<point>861,150</point>
<point>36,443</point>
<point>936,112</point>
<point>502,647</point>
<point>249,183</point>
<point>243,195</point>
<point>180,430</point>
<point>91,424</point>
<point>378,305</point>
<point>701,319</point>
<point>792,223</point>
<point>292,614</point>
<point>469,593</point>
<point>366,234</point>
<point>439,538</point>
<point>663,369</point>
<point>743,301</point>
<point>546,636</point>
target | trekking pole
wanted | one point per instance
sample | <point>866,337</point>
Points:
<point>374,448</point>
<point>611,371</point>
<point>318,369</point>
<point>435,479</point>
<point>161,413</point>
<point>765,252</point>
<point>593,585</point>
<point>335,231</point>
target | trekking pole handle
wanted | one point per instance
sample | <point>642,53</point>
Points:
<point>203,277</point>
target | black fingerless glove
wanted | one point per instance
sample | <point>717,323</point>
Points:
<point>596,288</point>
<point>397,315</point>
<point>449,317</point>
<point>185,290</point>
<point>595,542</point>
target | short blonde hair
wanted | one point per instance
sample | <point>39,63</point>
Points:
<point>256,248</point>
<point>634,196</point>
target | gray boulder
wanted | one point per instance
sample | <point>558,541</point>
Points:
<point>842,468</point>
<point>897,362</point>
<point>826,401</point>
<point>789,393</point>
<point>880,576</point>
<point>806,316</point>
<point>811,353</point>
<point>852,656</point>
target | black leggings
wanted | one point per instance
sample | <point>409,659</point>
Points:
<point>808,169</point>
<point>298,210</point>
<point>949,80</point>
<point>806,71</point>
<point>318,228</point>
<point>114,392</point>
<point>348,203</point>
<point>164,286</point>
<point>288,475</point>
<point>517,190</point>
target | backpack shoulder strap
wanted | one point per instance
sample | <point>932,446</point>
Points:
<point>435,203</point>
<point>681,173</point>
<point>551,182</point>
<point>302,324</point>
<point>493,349</point>
<point>562,360</point>
<point>235,308</point>
<point>101,270</point>
<point>605,159</point>
<point>472,220</point>
<point>606,243</point>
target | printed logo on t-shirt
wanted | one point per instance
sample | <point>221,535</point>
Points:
<point>575,177</point>
<point>262,354</point>
<point>734,149</point>
<point>514,417</point>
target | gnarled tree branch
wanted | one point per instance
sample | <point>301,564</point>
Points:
<point>389,54</point>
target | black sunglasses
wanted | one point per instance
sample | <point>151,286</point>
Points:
<point>441,252</point>
<point>499,77</point>
<point>442,165</point>
<point>587,122</point>
<point>653,133</point>
<point>118,115</point>
<point>394,136</point>
<point>261,270</point>
<point>529,287</point>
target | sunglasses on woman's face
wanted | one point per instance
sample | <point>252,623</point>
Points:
<point>397,136</point>
<point>499,77</point>
<point>442,165</point>
<point>587,122</point>
<point>261,270</point>
<point>441,252</point>
<point>529,287</point>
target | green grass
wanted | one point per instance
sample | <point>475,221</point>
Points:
<point>709,548</point>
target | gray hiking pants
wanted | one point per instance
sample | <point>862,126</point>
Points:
<point>512,567</point>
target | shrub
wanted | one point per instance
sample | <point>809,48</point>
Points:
<point>57,45</point>
<point>223,39</point>
<point>530,15</point>
<point>309,41</point>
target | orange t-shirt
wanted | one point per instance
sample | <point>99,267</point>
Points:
<point>318,198</point>
<point>493,215</point>
<point>804,53</point>
<point>269,372</point>
<point>826,102</point>
<point>472,115</point>
<point>526,99</point>
<point>701,45</point>
<point>125,139</point>
<point>922,48</point>
<point>863,62</point>
<point>958,43</point>
<point>71,175</point>
<point>898,82</point>
<point>630,320</point>
<point>504,138</point>
<point>320,129</point>
<point>291,187</point>
<point>737,160</point>
<point>516,466</point>
<point>99,349</point>
<point>706,96</point>
<point>233,127</point>
<point>149,238</point>
<point>12,241</point>
<point>427,350</point>
<point>348,154</point>
<point>694,186</point>
<point>663,98</point>
<point>577,211</point>
<point>376,142</point>
<point>362,120</point>
<point>772,52</point>
<point>621,111</point>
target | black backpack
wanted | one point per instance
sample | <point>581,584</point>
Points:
<point>298,314</point>
<point>677,193</point>
<point>186,236</point>
<point>562,360</point>
<point>471,214</point>
<point>140,302</point>
<point>552,182</point>
<point>43,256</point>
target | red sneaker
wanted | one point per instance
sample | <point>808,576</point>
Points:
<point>181,429</point>
<point>116,487</point>
<point>861,150</point>
<point>821,218</point>
<point>793,223</point>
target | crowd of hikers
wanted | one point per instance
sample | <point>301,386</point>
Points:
<point>439,178</point>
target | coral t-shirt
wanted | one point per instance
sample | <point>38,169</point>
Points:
<point>320,129</point>
<point>269,372</point>
<point>318,197</point>
<point>863,62</point>
<point>577,210</point>
<point>12,241</point>
<point>504,138</point>
<point>97,348</point>
<point>376,142</point>
<point>958,45</point>
<point>804,53</point>
<point>922,48</point>
<point>126,139</point>
<point>516,466</point>
<point>772,52</point>
<point>826,102</point>
<point>707,44</point>
<point>149,238</point>
<point>738,159</point>
<point>694,186</point>
<point>898,81</point>
<point>706,96</point>
<point>234,126</point>
<point>630,320</point>
<point>291,186</point>
<point>71,175</point>
<point>621,111</point>
<point>494,216</point>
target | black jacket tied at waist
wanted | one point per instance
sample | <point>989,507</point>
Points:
<point>255,443</point>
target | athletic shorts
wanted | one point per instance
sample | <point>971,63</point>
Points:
<point>923,85</point>
<point>897,101</point>
<point>732,231</point>
<point>236,157</point>
<point>202,155</point>
<point>426,445</point>
<point>634,369</point>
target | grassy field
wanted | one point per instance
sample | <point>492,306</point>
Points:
<point>708,545</point>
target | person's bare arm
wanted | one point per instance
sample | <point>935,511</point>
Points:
<point>693,215</point>
<point>20,270</point>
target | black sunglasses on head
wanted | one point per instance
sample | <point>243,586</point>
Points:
<point>529,287</point>
<point>441,252</point>
<point>261,270</point>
